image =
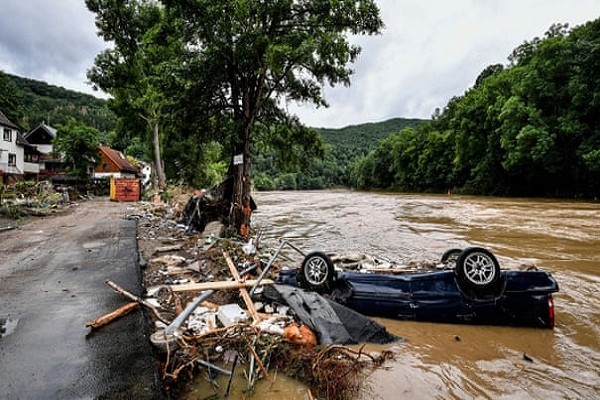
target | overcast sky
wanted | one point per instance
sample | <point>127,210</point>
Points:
<point>429,51</point>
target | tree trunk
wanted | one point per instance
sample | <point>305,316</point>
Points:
<point>160,171</point>
<point>242,205</point>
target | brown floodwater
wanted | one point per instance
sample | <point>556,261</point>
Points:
<point>447,361</point>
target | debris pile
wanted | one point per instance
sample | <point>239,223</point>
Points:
<point>212,314</point>
<point>29,198</point>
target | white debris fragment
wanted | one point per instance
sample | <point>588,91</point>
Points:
<point>230,314</point>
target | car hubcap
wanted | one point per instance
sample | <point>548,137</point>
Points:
<point>479,268</point>
<point>316,271</point>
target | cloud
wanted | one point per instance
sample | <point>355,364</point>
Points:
<point>54,41</point>
<point>430,51</point>
<point>433,50</point>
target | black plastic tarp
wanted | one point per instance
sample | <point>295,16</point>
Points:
<point>332,322</point>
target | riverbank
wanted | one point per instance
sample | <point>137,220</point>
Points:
<point>264,340</point>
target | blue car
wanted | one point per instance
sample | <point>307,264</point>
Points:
<point>469,288</point>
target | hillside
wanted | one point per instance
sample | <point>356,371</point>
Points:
<point>37,101</point>
<point>344,146</point>
<point>364,137</point>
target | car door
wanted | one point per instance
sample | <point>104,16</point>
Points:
<point>435,297</point>
<point>382,295</point>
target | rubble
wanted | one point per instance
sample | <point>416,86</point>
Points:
<point>32,199</point>
<point>238,326</point>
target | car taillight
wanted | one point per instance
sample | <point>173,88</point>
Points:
<point>550,311</point>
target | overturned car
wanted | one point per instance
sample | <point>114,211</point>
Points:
<point>468,286</point>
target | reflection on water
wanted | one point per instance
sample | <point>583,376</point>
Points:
<point>458,361</point>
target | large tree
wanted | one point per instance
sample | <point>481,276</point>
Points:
<point>133,69</point>
<point>251,57</point>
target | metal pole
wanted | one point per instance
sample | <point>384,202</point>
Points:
<point>269,264</point>
<point>180,319</point>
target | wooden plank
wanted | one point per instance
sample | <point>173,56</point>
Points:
<point>220,285</point>
<point>243,291</point>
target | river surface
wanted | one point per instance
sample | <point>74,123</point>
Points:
<point>444,361</point>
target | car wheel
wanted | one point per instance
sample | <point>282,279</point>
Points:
<point>478,269</point>
<point>317,272</point>
<point>450,257</point>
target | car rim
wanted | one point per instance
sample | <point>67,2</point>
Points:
<point>316,271</point>
<point>479,268</point>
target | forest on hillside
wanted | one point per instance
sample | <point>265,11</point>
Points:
<point>528,128</point>
<point>342,148</point>
<point>27,102</point>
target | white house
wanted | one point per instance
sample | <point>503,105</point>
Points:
<point>12,151</point>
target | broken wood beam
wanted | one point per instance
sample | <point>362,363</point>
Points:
<point>219,285</point>
<point>243,291</point>
<point>165,249</point>
<point>113,315</point>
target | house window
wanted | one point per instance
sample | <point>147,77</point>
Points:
<point>7,135</point>
<point>31,157</point>
<point>12,159</point>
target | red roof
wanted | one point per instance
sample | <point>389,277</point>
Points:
<point>119,159</point>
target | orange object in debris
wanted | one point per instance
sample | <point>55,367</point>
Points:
<point>300,334</point>
<point>122,189</point>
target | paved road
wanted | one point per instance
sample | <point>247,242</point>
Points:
<point>52,274</point>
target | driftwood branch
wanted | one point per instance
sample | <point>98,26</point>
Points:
<point>113,315</point>
<point>135,298</point>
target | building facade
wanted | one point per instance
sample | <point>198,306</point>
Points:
<point>12,151</point>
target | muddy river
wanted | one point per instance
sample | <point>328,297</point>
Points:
<point>458,361</point>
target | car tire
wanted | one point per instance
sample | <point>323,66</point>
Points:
<point>450,257</point>
<point>317,272</point>
<point>478,269</point>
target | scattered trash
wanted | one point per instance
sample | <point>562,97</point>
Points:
<point>241,326</point>
<point>32,199</point>
<point>168,248</point>
<point>230,314</point>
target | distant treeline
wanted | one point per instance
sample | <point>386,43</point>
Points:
<point>531,128</point>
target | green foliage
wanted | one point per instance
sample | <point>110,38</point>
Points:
<point>28,102</point>
<point>331,167</point>
<point>209,77</point>
<point>529,128</point>
<point>197,165</point>
<point>247,58</point>
<point>79,145</point>
<point>137,67</point>
<point>11,99</point>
